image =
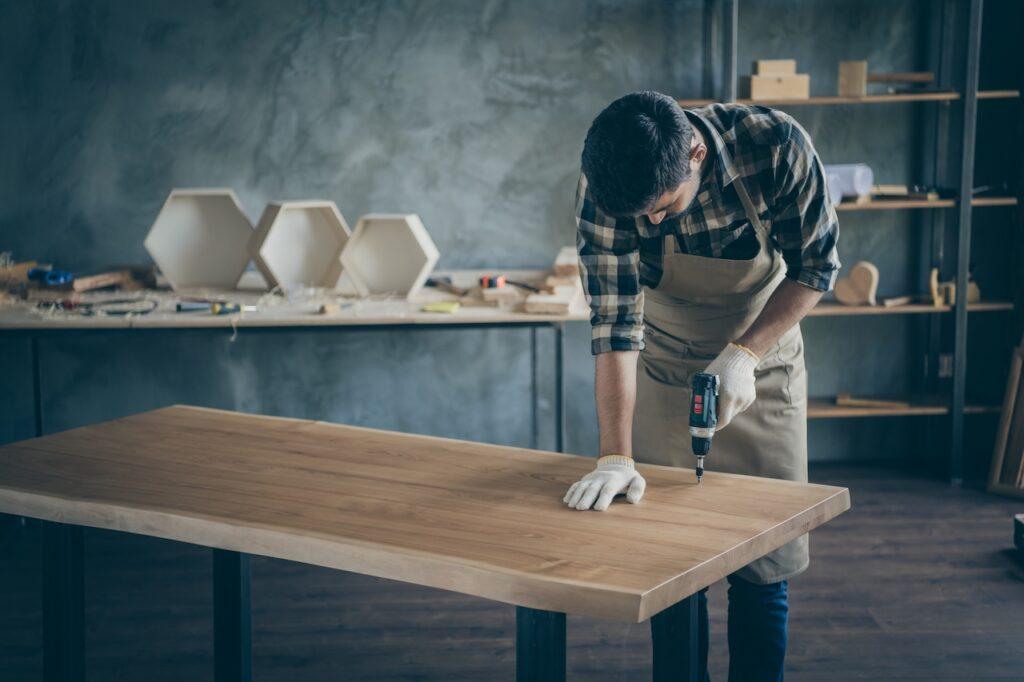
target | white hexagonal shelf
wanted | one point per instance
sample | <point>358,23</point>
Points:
<point>298,243</point>
<point>199,238</point>
<point>389,254</point>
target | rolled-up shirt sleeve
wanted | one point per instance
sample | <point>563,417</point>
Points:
<point>610,268</point>
<point>805,227</point>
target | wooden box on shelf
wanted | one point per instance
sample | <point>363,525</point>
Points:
<point>777,79</point>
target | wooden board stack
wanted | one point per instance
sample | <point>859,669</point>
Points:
<point>565,287</point>
<point>777,79</point>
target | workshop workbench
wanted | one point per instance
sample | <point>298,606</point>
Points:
<point>277,315</point>
<point>477,519</point>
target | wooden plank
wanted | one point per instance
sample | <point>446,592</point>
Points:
<point>900,77</point>
<point>913,406</point>
<point>1006,416</point>
<point>994,201</point>
<point>998,94</point>
<point>869,99</point>
<point>891,204</point>
<point>847,400</point>
<point>774,67</point>
<point>838,309</point>
<point>1013,457</point>
<point>567,262</point>
<point>477,519</point>
<point>837,99</point>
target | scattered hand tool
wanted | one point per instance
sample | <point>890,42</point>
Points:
<point>49,277</point>
<point>524,285</point>
<point>499,282</point>
<point>445,284</point>
<point>193,305</point>
<point>703,416</point>
<point>116,306</point>
<point>492,281</point>
<point>447,307</point>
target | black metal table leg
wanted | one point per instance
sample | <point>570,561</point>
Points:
<point>540,645</point>
<point>534,407</point>
<point>37,388</point>
<point>559,387</point>
<point>63,603</point>
<point>675,635</point>
<point>232,617</point>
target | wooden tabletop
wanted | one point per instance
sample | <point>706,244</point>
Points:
<point>477,519</point>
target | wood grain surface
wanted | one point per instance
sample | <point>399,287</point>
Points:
<point>477,519</point>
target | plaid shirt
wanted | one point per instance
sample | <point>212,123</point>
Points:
<point>773,156</point>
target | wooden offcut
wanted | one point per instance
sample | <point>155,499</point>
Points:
<point>567,262</point>
<point>477,519</point>
<point>919,77</point>
<point>853,78</point>
<point>847,400</point>
<point>774,67</point>
<point>784,87</point>
<point>860,286</point>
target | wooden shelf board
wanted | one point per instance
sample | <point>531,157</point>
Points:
<point>825,408</point>
<point>838,99</point>
<point>867,99</point>
<point>998,94</point>
<point>830,308</point>
<point>994,201</point>
<point>893,204</point>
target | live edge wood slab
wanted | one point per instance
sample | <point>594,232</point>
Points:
<point>477,519</point>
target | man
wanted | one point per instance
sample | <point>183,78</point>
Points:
<point>704,237</point>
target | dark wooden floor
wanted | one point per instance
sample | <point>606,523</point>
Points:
<point>918,581</point>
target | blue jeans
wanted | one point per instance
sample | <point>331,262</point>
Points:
<point>757,630</point>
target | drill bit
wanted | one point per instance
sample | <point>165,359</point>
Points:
<point>700,468</point>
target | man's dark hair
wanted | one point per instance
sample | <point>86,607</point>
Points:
<point>637,149</point>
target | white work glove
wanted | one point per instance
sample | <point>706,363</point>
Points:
<point>735,369</point>
<point>614,474</point>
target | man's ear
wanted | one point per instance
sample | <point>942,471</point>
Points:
<point>698,153</point>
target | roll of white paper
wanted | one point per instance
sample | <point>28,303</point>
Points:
<point>849,179</point>
<point>835,192</point>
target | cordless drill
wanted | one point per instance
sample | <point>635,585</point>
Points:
<point>703,416</point>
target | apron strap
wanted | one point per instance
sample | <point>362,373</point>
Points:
<point>671,246</point>
<point>750,209</point>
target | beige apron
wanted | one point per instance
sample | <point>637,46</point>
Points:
<point>700,305</point>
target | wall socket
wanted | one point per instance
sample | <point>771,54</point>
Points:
<point>945,365</point>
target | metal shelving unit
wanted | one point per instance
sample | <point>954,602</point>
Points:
<point>951,35</point>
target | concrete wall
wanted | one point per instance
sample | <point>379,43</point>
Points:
<point>471,114</point>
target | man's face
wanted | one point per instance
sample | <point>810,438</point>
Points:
<point>676,201</point>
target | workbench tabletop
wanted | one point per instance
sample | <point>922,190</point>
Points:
<point>478,519</point>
